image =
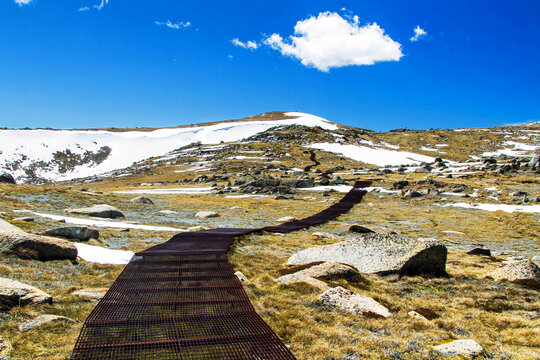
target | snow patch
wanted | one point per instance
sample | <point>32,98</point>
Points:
<point>101,255</point>
<point>379,157</point>
<point>498,207</point>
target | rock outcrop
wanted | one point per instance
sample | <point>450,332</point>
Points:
<point>7,179</point>
<point>380,253</point>
<point>346,300</point>
<point>101,210</point>
<point>25,245</point>
<point>15,293</point>
<point>81,233</point>
<point>41,320</point>
<point>522,272</point>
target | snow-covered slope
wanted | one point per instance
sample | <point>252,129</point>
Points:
<point>68,154</point>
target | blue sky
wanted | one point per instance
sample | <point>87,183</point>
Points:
<point>130,63</point>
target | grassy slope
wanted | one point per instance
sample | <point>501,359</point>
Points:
<point>502,317</point>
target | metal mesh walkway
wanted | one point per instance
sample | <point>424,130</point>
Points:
<point>181,300</point>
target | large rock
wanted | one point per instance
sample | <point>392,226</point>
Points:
<point>81,233</point>
<point>346,300</point>
<point>25,245</point>
<point>7,179</point>
<point>101,210</point>
<point>41,320</point>
<point>465,348</point>
<point>142,200</point>
<point>93,294</point>
<point>522,272</point>
<point>380,253</point>
<point>322,271</point>
<point>7,227</point>
<point>14,293</point>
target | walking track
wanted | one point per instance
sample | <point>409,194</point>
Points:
<point>181,300</point>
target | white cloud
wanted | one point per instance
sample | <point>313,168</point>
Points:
<point>418,33</point>
<point>252,45</point>
<point>84,8</point>
<point>329,41</point>
<point>100,6</point>
<point>176,25</point>
<point>23,2</point>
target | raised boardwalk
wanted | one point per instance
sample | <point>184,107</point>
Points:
<point>181,300</point>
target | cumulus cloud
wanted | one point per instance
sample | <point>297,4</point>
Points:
<point>418,33</point>
<point>252,45</point>
<point>176,25</point>
<point>22,2</point>
<point>330,41</point>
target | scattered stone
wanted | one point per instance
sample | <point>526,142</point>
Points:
<point>467,348</point>
<point>7,179</point>
<point>360,229</point>
<point>293,278</point>
<point>24,219</point>
<point>94,294</point>
<point>412,194</point>
<point>480,251</point>
<point>346,300</point>
<point>522,272</point>
<point>5,348</point>
<point>380,253</point>
<point>81,233</point>
<point>206,214</point>
<point>243,279</point>
<point>399,185</point>
<point>142,200</point>
<point>196,228</point>
<point>101,210</point>
<point>168,212</point>
<point>323,235</point>
<point>41,320</point>
<point>427,313</point>
<point>416,315</point>
<point>286,219</point>
<point>15,293</point>
<point>535,161</point>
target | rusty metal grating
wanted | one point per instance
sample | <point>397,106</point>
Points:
<point>181,300</point>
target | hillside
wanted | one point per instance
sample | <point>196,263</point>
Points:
<point>465,188</point>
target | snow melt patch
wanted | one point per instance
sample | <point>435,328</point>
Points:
<point>100,223</point>
<point>379,157</point>
<point>498,207</point>
<point>101,255</point>
<point>26,147</point>
<point>171,191</point>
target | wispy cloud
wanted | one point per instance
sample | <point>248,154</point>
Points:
<point>419,33</point>
<point>100,6</point>
<point>330,41</point>
<point>23,2</point>
<point>84,8</point>
<point>252,45</point>
<point>177,25</point>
